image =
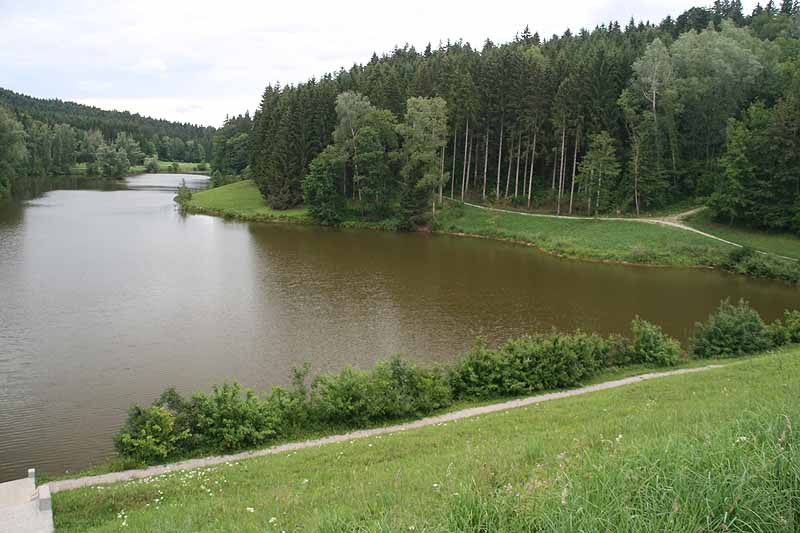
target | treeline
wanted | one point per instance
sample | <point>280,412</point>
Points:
<point>33,143</point>
<point>229,419</point>
<point>615,119</point>
<point>169,141</point>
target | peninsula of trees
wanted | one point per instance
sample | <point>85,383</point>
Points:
<point>616,119</point>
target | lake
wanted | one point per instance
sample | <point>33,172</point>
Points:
<point>107,297</point>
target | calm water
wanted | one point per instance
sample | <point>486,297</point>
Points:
<point>108,297</point>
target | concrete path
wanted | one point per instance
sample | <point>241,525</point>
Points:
<point>674,221</point>
<point>24,508</point>
<point>68,484</point>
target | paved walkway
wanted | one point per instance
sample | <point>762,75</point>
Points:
<point>673,221</point>
<point>68,484</point>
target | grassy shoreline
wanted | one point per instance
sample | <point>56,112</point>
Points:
<point>595,240</point>
<point>784,244</point>
<point>620,452</point>
<point>605,375</point>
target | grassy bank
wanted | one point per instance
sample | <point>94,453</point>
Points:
<point>605,240</point>
<point>776,243</point>
<point>243,201</point>
<point>708,451</point>
<point>163,166</point>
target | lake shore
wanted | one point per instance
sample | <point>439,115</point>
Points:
<point>547,459</point>
<point>627,242</point>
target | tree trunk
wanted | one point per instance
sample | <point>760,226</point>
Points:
<point>533,162</point>
<point>499,160</point>
<point>465,187</point>
<point>453,173</point>
<point>475,166</point>
<point>485,163</point>
<point>599,185</point>
<point>441,176</point>
<point>636,155</point>
<point>525,171</point>
<point>464,167</point>
<point>574,168</point>
<point>561,171</point>
<point>516,174</point>
<point>510,163</point>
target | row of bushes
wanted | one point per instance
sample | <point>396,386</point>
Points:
<point>749,262</point>
<point>230,418</point>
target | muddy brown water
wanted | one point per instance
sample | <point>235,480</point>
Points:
<point>108,297</point>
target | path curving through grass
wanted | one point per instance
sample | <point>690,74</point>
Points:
<point>114,477</point>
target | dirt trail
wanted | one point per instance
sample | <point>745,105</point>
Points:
<point>103,479</point>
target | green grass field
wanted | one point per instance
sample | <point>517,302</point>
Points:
<point>241,200</point>
<point>777,243</point>
<point>713,451</point>
<point>633,242</point>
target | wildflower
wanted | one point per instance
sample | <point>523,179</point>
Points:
<point>619,438</point>
<point>436,487</point>
<point>273,520</point>
<point>305,481</point>
<point>251,510</point>
<point>741,439</point>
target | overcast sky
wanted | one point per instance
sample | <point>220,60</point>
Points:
<point>198,61</point>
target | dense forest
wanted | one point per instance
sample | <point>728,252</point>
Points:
<point>49,137</point>
<point>617,119</point>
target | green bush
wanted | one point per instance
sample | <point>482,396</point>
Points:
<point>174,168</point>
<point>786,331</point>
<point>731,331</point>
<point>184,193</point>
<point>151,165</point>
<point>394,389</point>
<point>149,434</point>
<point>527,365</point>
<point>651,345</point>
<point>230,420</point>
<point>748,261</point>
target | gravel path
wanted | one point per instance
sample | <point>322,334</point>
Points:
<point>68,484</point>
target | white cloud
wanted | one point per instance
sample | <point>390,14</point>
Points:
<point>206,59</point>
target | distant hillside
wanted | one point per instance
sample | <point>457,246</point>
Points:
<point>110,123</point>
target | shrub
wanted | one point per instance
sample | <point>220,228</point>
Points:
<point>651,345</point>
<point>786,331</point>
<point>616,351</point>
<point>391,390</point>
<point>229,420</point>
<point>174,168</point>
<point>151,165</point>
<point>149,434</point>
<point>747,261</point>
<point>528,364</point>
<point>732,330</point>
<point>184,194</point>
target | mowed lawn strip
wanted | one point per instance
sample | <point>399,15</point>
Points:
<point>627,241</point>
<point>676,453</point>
<point>784,244</point>
<point>241,199</point>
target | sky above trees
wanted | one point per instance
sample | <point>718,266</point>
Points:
<point>198,61</point>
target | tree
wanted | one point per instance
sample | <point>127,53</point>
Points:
<point>12,150</point>
<point>112,160</point>
<point>598,171</point>
<point>325,203</point>
<point>424,133</point>
<point>131,147</point>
